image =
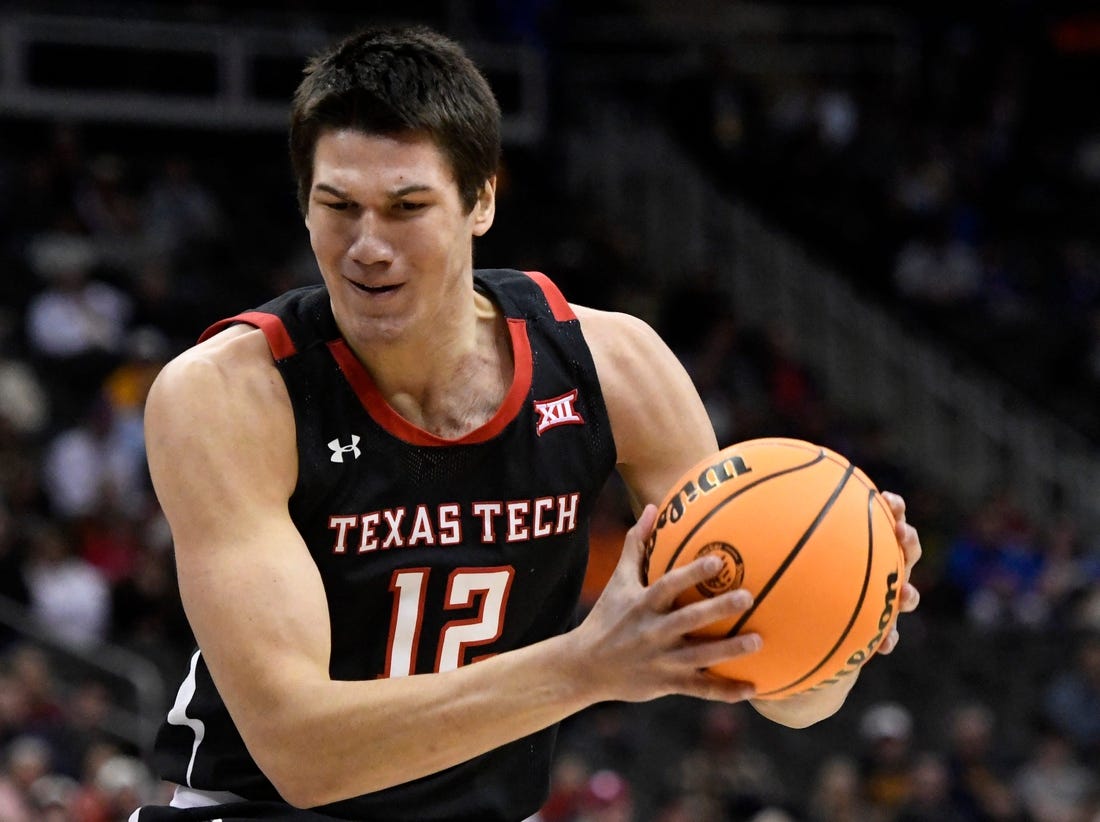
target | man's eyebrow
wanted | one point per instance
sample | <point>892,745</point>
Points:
<point>415,188</point>
<point>333,190</point>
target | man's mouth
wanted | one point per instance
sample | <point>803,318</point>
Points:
<point>375,289</point>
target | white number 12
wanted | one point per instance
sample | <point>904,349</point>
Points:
<point>465,586</point>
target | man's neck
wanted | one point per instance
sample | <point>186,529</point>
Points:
<point>452,381</point>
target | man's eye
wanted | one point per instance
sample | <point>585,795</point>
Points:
<point>406,205</point>
<point>338,206</point>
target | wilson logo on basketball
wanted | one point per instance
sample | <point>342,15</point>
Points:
<point>557,411</point>
<point>860,656</point>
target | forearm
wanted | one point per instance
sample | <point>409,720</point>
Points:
<point>332,740</point>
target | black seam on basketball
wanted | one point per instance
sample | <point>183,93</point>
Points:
<point>859,601</point>
<point>717,506</point>
<point>759,597</point>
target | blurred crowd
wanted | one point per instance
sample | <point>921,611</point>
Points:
<point>957,179</point>
<point>120,245</point>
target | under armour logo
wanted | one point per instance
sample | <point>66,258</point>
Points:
<point>339,450</point>
<point>557,411</point>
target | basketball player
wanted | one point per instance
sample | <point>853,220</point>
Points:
<point>379,490</point>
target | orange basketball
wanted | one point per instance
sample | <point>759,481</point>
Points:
<point>807,533</point>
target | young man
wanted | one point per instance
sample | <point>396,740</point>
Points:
<point>379,489</point>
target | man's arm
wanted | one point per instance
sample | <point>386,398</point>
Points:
<point>661,429</point>
<point>221,444</point>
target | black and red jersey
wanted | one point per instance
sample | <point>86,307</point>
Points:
<point>434,553</point>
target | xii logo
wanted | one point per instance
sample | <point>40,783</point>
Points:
<point>557,411</point>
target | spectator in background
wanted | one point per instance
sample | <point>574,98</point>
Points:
<point>76,326</point>
<point>124,783</point>
<point>181,216</point>
<point>606,737</point>
<point>929,796</point>
<point>97,463</point>
<point>146,613</point>
<point>567,786</point>
<point>24,403</point>
<point>82,735</point>
<point>169,303</point>
<point>15,709</point>
<point>26,759</point>
<point>69,597</point>
<point>76,315</point>
<point>1071,572</point>
<point>110,210</point>
<point>726,767</point>
<point>796,402</point>
<point>996,566</point>
<point>606,797</point>
<point>836,794</point>
<point>837,114</point>
<point>126,387</point>
<point>1071,701</point>
<point>938,271</point>
<point>977,778</point>
<point>690,808</point>
<point>886,733</point>
<point>41,711</point>
<point>110,541</point>
<point>52,797</point>
<point>1053,784</point>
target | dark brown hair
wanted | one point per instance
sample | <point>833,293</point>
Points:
<point>389,81</point>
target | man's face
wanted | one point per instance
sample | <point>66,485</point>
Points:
<point>392,238</point>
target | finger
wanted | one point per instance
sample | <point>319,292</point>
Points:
<point>663,592</point>
<point>907,535</point>
<point>633,554</point>
<point>698,615</point>
<point>890,642</point>
<point>703,653</point>
<point>910,547</point>
<point>910,598</point>
<point>638,532</point>
<point>896,503</point>
<point>705,685</point>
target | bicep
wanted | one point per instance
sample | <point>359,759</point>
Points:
<point>659,423</point>
<point>223,475</point>
<point>258,611</point>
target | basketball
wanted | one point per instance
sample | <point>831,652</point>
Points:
<point>809,535</point>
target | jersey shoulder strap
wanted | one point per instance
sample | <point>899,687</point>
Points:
<point>524,294</point>
<point>291,323</point>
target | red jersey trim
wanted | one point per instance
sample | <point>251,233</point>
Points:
<point>278,339</point>
<point>376,405</point>
<point>558,304</point>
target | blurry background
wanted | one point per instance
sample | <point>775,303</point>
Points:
<point>874,226</point>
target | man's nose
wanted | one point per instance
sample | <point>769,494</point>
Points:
<point>371,244</point>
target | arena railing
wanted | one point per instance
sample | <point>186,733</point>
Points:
<point>953,425</point>
<point>139,699</point>
<point>204,75</point>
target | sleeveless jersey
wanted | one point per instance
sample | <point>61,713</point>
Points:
<point>434,553</point>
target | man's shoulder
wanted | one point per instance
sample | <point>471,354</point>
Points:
<point>233,365</point>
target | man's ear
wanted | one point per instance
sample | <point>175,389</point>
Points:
<point>486,206</point>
